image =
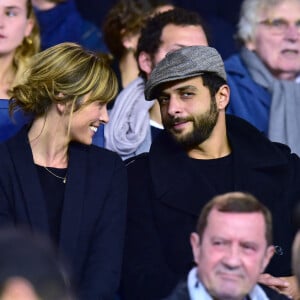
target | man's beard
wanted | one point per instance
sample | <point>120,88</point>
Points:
<point>203,125</point>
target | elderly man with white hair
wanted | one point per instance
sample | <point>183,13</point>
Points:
<point>264,75</point>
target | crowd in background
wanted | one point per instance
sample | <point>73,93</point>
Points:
<point>95,97</point>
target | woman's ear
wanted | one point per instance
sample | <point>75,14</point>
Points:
<point>29,27</point>
<point>61,106</point>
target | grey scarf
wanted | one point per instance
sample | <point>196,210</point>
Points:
<point>284,120</point>
<point>128,130</point>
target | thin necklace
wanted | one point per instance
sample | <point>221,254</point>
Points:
<point>64,179</point>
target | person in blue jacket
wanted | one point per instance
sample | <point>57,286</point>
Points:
<point>264,75</point>
<point>53,181</point>
<point>60,21</point>
<point>20,40</point>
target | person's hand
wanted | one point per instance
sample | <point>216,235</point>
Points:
<point>284,285</point>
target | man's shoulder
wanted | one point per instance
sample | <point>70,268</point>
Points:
<point>242,128</point>
<point>179,293</point>
<point>272,294</point>
<point>252,148</point>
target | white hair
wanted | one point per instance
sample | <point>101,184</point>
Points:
<point>249,16</point>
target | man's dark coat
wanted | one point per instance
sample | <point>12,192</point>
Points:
<point>166,197</point>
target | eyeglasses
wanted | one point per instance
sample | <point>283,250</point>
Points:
<point>279,26</point>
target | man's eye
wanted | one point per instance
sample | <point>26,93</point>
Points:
<point>187,95</point>
<point>218,243</point>
<point>248,247</point>
<point>163,100</point>
<point>278,23</point>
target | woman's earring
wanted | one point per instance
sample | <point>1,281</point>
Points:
<point>28,40</point>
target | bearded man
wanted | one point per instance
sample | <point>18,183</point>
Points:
<point>201,153</point>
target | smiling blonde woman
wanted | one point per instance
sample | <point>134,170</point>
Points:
<point>53,180</point>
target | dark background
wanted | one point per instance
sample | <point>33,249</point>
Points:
<point>221,17</point>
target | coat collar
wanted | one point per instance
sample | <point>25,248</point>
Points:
<point>33,195</point>
<point>175,184</point>
<point>27,176</point>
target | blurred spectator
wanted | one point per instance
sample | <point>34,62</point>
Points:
<point>60,21</point>
<point>221,17</point>
<point>121,31</point>
<point>263,76</point>
<point>29,268</point>
<point>20,40</point>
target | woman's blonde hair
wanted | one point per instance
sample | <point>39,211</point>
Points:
<point>29,47</point>
<point>61,74</point>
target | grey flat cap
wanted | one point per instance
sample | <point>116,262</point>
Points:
<point>184,63</point>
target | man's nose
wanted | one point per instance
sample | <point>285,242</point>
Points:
<point>292,32</point>
<point>232,257</point>
<point>175,106</point>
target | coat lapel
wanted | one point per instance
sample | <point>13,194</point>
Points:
<point>27,176</point>
<point>257,162</point>
<point>74,199</point>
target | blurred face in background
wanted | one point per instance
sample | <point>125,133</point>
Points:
<point>277,39</point>
<point>174,37</point>
<point>14,25</point>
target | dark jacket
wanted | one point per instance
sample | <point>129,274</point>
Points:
<point>63,23</point>
<point>165,198</point>
<point>10,126</point>
<point>93,214</point>
<point>248,100</point>
<point>181,293</point>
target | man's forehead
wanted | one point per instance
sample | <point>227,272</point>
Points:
<point>184,84</point>
<point>248,221</point>
<point>186,35</point>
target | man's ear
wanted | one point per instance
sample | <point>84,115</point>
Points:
<point>269,254</point>
<point>222,97</point>
<point>195,243</point>
<point>250,45</point>
<point>145,62</point>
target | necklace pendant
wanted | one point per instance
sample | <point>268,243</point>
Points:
<point>65,180</point>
